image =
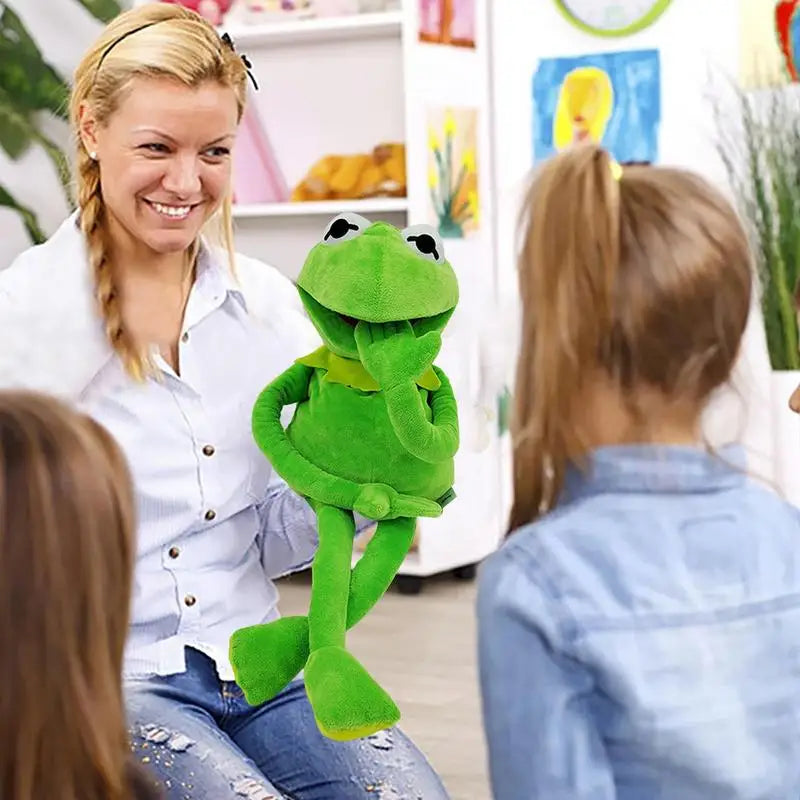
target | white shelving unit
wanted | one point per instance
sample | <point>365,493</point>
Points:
<point>329,85</point>
<point>379,205</point>
<point>304,31</point>
<point>343,85</point>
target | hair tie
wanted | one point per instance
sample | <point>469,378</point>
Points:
<point>245,60</point>
<point>616,169</point>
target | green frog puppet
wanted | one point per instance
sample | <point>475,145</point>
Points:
<point>374,431</point>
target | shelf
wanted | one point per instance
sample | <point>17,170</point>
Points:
<point>315,29</point>
<point>328,207</point>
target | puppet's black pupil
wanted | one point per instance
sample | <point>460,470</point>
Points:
<point>425,243</point>
<point>340,228</point>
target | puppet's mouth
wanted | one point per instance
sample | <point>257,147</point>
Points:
<point>353,321</point>
<point>338,330</point>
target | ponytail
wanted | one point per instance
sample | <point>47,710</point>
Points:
<point>567,276</point>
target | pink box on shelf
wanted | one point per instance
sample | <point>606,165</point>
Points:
<point>257,178</point>
<point>258,11</point>
<point>335,8</point>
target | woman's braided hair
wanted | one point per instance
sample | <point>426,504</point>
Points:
<point>158,40</point>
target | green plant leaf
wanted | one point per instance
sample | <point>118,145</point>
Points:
<point>24,74</point>
<point>18,132</point>
<point>760,150</point>
<point>60,162</point>
<point>16,129</point>
<point>28,217</point>
<point>104,10</point>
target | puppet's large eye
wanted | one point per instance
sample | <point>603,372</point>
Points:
<point>345,226</point>
<point>425,241</point>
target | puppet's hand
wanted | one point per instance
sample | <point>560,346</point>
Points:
<point>378,501</point>
<point>392,354</point>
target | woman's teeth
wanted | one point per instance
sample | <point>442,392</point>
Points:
<point>173,212</point>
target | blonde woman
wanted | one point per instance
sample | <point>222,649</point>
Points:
<point>128,312</point>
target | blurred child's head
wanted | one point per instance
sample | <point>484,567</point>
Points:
<point>635,287</point>
<point>66,561</point>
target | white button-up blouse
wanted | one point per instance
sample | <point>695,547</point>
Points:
<point>216,524</point>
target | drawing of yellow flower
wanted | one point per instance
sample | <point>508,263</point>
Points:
<point>468,160</point>
<point>452,171</point>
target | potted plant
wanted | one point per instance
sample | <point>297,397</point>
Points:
<point>760,147</point>
<point>29,88</point>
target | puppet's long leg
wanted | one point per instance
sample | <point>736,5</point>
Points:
<point>330,578</point>
<point>376,568</point>
<point>347,702</point>
<point>267,657</point>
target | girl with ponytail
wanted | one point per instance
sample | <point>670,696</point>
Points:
<point>638,630</point>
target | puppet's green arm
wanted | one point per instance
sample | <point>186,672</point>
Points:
<point>430,441</point>
<point>303,476</point>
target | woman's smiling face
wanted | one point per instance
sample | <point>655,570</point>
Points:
<point>165,159</point>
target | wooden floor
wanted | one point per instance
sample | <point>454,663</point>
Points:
<point>422,650</point>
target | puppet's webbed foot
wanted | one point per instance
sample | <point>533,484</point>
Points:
<point>347,702</point>
<point>265,658</point>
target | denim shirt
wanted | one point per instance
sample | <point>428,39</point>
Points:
<point>642,642</point>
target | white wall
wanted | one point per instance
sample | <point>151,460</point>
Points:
<point>696,39</point>
<point>690,40</point>
<point>691,37</point>
<point>62,30</point>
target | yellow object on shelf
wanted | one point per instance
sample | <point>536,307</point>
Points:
<point>344,181</point>
<point>381,173</point>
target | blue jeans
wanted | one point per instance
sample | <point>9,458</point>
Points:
<point>202,741</point>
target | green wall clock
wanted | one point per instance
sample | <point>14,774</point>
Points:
<point>612,17</point>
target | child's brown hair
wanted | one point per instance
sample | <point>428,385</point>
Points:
<point>641,275</point>
<point>66,559</point>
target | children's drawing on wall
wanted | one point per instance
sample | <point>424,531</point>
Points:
<point>447,22</point>
<point>769,42</point>
<point>609,98</point>
<point>452,171</point>
<point>787,27</point>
